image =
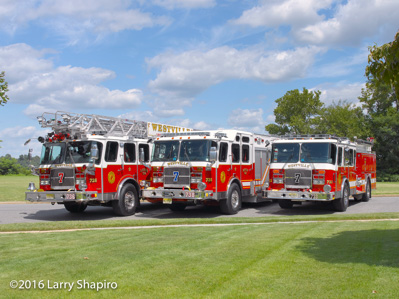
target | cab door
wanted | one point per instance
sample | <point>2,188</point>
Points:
<point>112,171</point>
<point>143,168</point>
<point>247,171</point>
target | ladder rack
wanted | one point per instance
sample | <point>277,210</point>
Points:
<point>79,124</point>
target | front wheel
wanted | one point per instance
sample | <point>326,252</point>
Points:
<point>232,204</point>
<point>75,207</point>
<point>341,204</point>
<point>128,201</point>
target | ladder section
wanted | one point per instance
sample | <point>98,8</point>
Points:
<point>74,123</point>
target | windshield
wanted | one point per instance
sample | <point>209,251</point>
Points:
<point>195,150</point>
<point>79,152</point>
<point>318,153</point>
<point>304,153</point>
<point>165,151</point>
<point>52,153</point>
<point>187,150</point>
<point>285,152</point>
<point>70,152</point>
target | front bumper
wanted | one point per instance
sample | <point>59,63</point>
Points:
<point>178,194</point>
<point>301,196</point>
<point>61,196</point>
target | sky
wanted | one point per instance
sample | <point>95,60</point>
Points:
<point>202,64</point>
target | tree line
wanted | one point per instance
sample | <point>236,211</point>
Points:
<point>10,165</point>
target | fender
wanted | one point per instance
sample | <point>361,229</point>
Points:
<point>338,194</point>
<point>125,181</point>
<point>234,180</point>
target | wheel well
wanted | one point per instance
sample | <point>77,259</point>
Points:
<point>129,181</point>
<point>235,181</point>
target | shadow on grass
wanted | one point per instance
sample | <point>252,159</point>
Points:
<point>372,247</point>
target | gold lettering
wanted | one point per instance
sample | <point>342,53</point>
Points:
<point>164,128</point>
<point>159,128</point>
<point>154,127</point>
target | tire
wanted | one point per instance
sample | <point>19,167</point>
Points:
<point>75,207</point>
<point>366,196</point>
<point>128,201</point>
<point>285,203</point>
<point>232,204</point>
<point>341,204</point>
<point>177,207</point>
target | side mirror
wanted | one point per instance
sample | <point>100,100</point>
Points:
<point>94,151</point>
<point>213,154</point>
<point>141,155</point>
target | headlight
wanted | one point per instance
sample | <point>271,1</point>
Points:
<point>327,188</point>
<point>201,186</point>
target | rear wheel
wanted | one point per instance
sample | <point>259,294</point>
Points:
<point>341,204</point>
<point>75,207</point>
<point>128,201</point>
<point>232,204</point>
<point>366,196</point>
<point>285,203</point>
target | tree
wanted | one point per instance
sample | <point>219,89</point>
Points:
<point>383,65</point>
<point>342,119</point>
<point>382,119</point>
<point>297,112</point>
<point>3,89</point>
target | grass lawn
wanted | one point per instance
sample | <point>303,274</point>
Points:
<point>302,260</point>
<point>12,188</point>
<point>385,188</point>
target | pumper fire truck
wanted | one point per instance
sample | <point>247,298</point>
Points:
<point>94,160</point>
<point>321,168</point>
<point>226,166</point>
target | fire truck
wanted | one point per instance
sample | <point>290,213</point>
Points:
<point>94,160</point>
<point>321,168</point>
<point>225,167</point>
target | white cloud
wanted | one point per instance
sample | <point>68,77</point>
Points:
<point>247,120</point>
<point>190,73</point>
<point>333,92</point>
<point>34,79</point>
<point>352,22</point>
<point>74,17</point>
<point>15,137</point>
<point>276,13</point>
<point>189,4</point>
<point>326,22</point>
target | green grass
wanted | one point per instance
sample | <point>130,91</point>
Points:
<point>62,225</point>
<point>385,188</point>
<point>305,260</point>
<point>12,188</point>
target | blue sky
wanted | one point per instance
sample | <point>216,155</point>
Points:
<point>204,64</point>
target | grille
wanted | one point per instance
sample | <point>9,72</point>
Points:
<point>177,177</point>
<point>62,178</point>
<point>298,178</point>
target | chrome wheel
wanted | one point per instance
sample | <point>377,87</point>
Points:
<point>129,200</point>
<point>235,199</point>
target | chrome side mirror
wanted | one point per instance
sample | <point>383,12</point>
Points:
<point>213,154</point>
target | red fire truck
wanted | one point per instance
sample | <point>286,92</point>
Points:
<point>225,166</point>
<point>94,160</point>
<point>321,168</point>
